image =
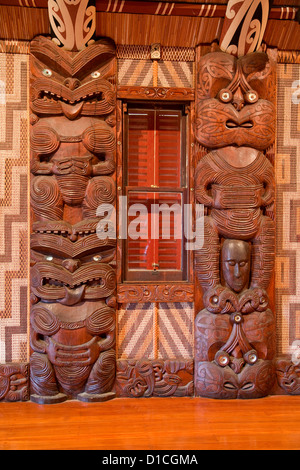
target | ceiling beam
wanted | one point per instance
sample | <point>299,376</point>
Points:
<point>163,8</point>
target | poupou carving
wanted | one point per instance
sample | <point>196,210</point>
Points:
<point>73,282</point>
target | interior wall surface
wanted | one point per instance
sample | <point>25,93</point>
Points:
<point>287,284</point>
<point>14,213</point>
<point>160,331</point>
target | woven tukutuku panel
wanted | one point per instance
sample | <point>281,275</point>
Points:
<point>14,206</point>
<point>287,284</point>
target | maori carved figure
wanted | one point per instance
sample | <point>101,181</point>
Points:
<point>234,179</point>
<point>73,282</point>
<point>288,375</point>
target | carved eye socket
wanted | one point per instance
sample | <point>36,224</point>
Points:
<point>95,74</point>
<point>225,95</point>
<point>47,72</point>
<point>231,262</point>
<point>251,96</point>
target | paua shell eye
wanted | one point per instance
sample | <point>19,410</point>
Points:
<point>95,74</point>
<point>225,95</point>
<point>47,72</point>
<point>251,96</point>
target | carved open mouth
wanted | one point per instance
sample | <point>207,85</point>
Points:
<point>91,98</point>
<point>54,283</point>
<point>235,125</point>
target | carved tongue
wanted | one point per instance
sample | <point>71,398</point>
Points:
<point>71,111</point>
<point>73,296</point>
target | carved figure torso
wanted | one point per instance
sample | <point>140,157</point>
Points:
<point>236,194</point>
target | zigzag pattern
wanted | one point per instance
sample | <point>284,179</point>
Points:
<point>287,284</point>
<point>14,207</point>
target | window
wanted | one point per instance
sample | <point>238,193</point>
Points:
<point>155,182</point>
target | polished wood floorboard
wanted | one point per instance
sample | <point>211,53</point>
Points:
<point>153,424</point>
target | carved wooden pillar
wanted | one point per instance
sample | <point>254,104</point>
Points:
<point>72,102</point>
<point>234,179</point>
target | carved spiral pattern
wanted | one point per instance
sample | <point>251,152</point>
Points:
<point>100,190</point>
<point>99,138</point>
<point>42,375</point>
<point>72,378</point>
<point>102,376</point>
<point>101,321</point>
<point>45,198</point>
<point>72,188</point>
<point>43,321</point>
<point>44,140</point>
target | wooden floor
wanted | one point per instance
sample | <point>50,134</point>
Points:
<point>153,424</point>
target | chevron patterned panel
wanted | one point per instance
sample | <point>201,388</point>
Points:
<point>175,330</point>
<point>155,330</point>
<point>132,72</point>
<point>135,331</point>
<point>175,74</point>
<point>174,69</point>
<point>14,207</point>
<point>288,207</point>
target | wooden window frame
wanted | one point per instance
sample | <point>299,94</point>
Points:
<point>157,275</point>
<point>143,290</point>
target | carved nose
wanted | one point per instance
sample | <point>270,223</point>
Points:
<point>237,271</point>
<point>72,83</point>
<point>71,264</point>
<point>238,100</point>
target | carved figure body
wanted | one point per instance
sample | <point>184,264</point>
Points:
<point>234,179</point>
<point>236,338</point>
<point>73,349</point>
<point>73,271</point>
<point>237,187</point>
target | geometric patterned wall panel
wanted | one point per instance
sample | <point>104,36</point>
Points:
<point>135,331</point>
<point>287,283</point>
<point>155,330</point>
<point>132,72</point>
<point>13,207</point>
<point>175,68</point>
<point>175,330</point>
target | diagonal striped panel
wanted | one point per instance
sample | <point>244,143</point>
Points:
<point>175,330</point>
<point>175,74</point>
<point>132,72</point>
<point>14,207</point>
<point>135,331</point>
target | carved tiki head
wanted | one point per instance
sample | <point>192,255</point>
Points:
<point>235,101</point>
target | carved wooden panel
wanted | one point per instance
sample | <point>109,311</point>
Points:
<point>158,378</point>
<point>155,293</point>
<point>234,179</point>
<point>73,279</point>
<point>154,93</point>
<point>288,375</point>
<point>14,382</point>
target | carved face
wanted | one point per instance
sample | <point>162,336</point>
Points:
<point>75,271</point>
<point>234,101</point>
<point>236,264</point>
<point>72,84</point>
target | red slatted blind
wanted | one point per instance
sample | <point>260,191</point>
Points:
<point>154,160</point>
